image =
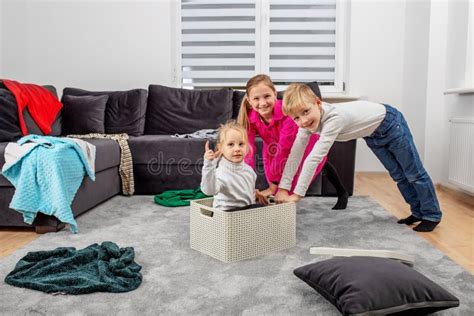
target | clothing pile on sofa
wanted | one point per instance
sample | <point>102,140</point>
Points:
<point>47,172</point>
<point>126,162</point>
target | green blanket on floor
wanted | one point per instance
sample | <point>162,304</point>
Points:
<point>65,270</point>
<point>179,197</point>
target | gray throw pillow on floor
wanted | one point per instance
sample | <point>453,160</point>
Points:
<point>368,285</point>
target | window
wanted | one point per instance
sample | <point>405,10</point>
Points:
<point>225,42</point>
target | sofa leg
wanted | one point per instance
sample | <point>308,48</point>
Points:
<point>49,229</point>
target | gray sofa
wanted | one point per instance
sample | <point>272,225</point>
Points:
<point>160,161</point>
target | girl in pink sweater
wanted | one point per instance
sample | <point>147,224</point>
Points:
<point>261,113</point>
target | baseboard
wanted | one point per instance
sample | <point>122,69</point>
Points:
<point>456,192</point>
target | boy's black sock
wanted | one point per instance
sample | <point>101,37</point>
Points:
<point>333,177</point>
<point>425,226</point>
<point>409,220</point>
<point>341,202</point>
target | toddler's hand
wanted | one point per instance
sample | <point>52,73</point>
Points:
<point>260,198</point>
<point>209,154</point>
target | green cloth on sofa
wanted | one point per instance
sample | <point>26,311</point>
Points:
<point>65,270</point>
<point>175,198</point>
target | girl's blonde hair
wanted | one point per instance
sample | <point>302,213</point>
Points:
<point>243,117</point>
<point>296,96</point>
<point>231,125</point>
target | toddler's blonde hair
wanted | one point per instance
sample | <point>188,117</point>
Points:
<point>296,96</point>
<point>231,125</point>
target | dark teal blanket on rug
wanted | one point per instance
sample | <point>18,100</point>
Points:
<point>96,268</point>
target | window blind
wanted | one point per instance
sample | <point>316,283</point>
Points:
<point>217,42</point>
<point>302,41</point>
<point>225,42</point>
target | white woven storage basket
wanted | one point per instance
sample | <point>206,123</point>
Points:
<point>234,236</point>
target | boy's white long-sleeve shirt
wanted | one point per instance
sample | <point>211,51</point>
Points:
<point>231,184</point>
<point>339,122</point>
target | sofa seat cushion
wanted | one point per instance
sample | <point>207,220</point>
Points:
<point>107,156</point>
<point>166,150</point>
<point>107,153</point>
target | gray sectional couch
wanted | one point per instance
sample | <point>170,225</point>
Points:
<point>160,161</point>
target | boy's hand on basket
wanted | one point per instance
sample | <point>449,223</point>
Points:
<point>295,198</point>
<point>209,154</point>
<point>282,196</point>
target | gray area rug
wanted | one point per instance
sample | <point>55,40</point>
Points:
<point>179,280</point>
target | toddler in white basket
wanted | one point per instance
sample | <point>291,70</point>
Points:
<point>229,179</point>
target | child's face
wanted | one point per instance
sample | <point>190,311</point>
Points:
<point>233,147</point>
<point>308,117</point>
<point>262,99</point>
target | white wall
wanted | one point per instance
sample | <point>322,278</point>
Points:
<point>1,37</point>
<point>88,44</point>
<point>447,62</point>
<point>415,69</point>
<point>375,63</point>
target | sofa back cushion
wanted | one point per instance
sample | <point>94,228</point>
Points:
<point>237,98</point>
<point>125,110</point>
<point>84,114</point>
<point>175,110</point>
<point>9,123</point>
<point>313,85</point>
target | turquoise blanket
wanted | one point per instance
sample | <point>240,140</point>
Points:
<point>47,178</point>
<point>97,268</point>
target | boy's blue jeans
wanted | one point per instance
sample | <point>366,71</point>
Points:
<point>393,145</point>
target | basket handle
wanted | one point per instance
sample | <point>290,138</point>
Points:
<point>207,212</point>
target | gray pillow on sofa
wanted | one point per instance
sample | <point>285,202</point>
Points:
<point>175,110</point>
<point>125,110</point>
<point>369,285</point>
<point>84,114</point>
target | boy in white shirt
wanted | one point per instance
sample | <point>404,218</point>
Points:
<point>386,133</point>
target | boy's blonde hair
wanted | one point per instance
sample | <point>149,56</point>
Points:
<point>243,118</point>
<point>231,125</point>
<point>296,96</point>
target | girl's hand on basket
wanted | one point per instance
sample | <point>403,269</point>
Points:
<point>209,154</point>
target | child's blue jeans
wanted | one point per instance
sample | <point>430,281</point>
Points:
<point>393,145</point>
